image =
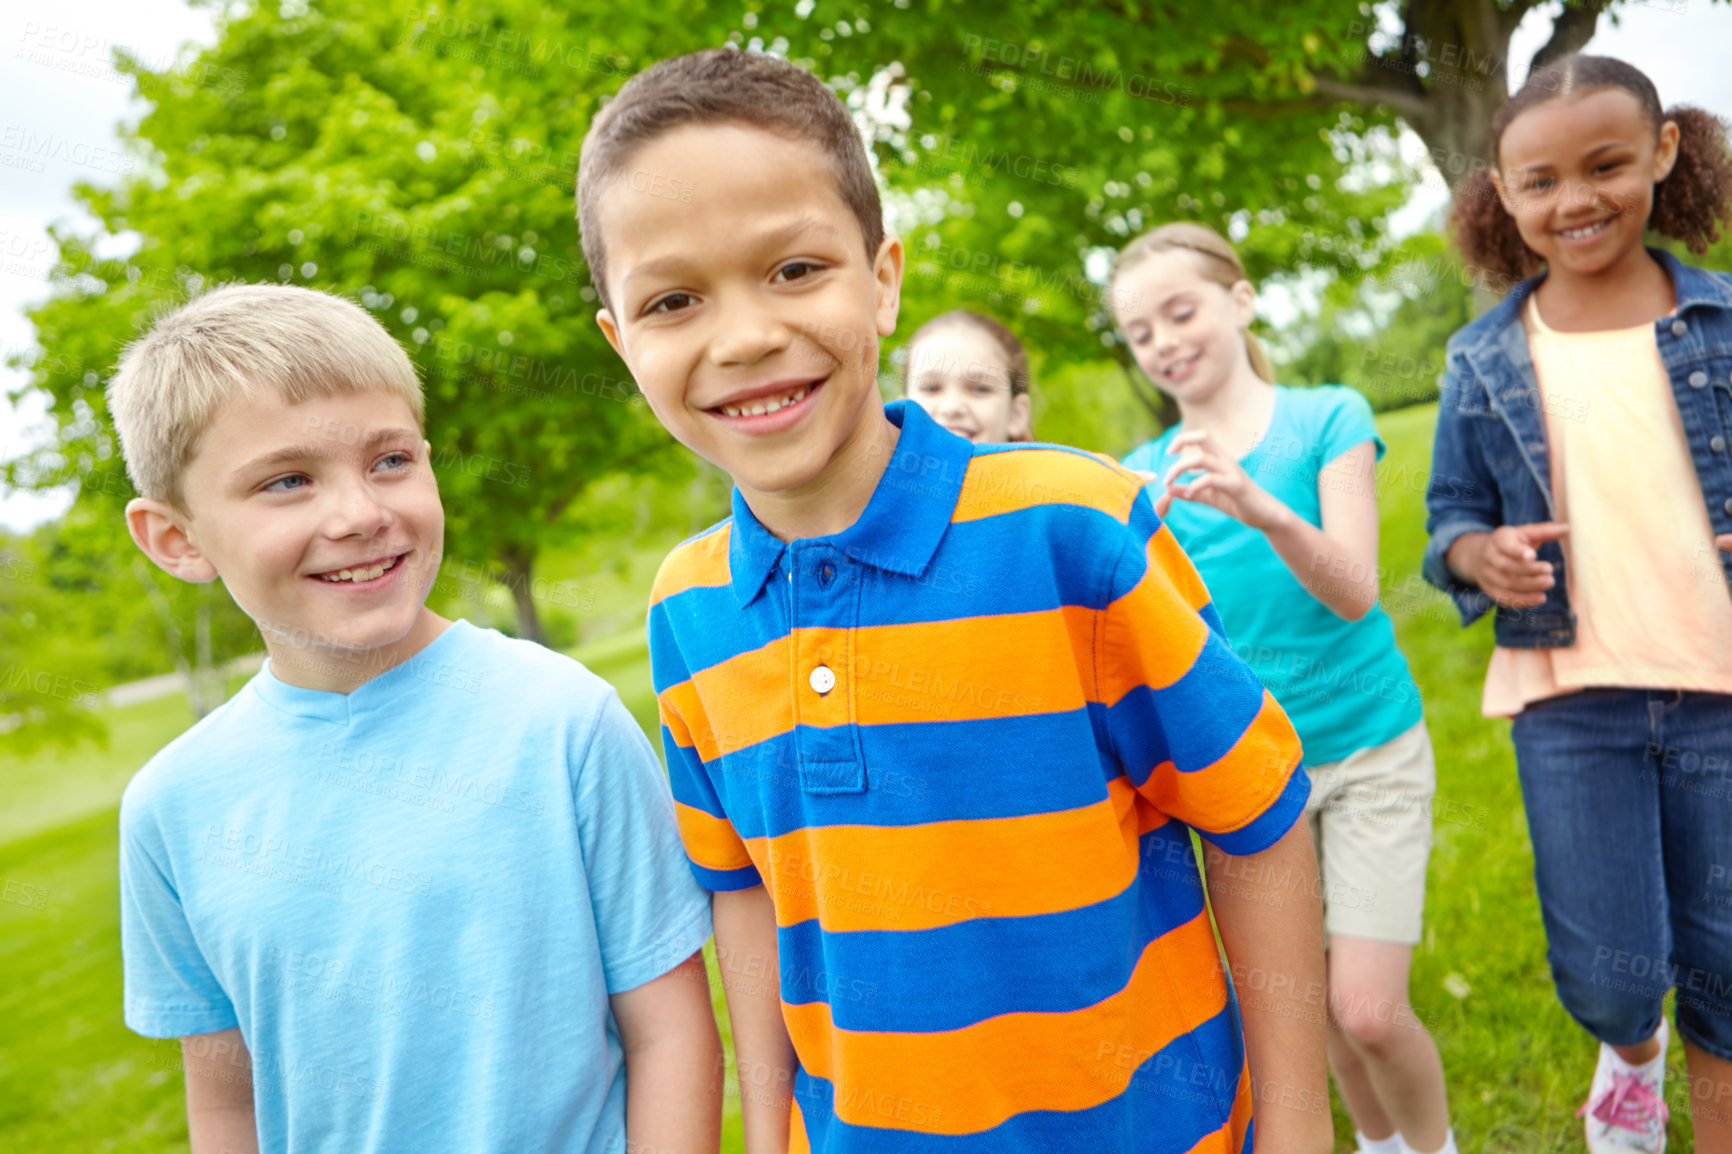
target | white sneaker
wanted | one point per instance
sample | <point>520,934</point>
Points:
<point>1625,1112</point>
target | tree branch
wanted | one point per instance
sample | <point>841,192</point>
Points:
<point>1571,32</point>
<point>1394,95</point>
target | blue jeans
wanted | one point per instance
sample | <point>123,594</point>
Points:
<point>1629,804</point>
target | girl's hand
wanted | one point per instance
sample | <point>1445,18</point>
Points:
<point>1224,484</point>
<point>1724,540</point>
<point>1507,567</point>
<point>1165,500</point>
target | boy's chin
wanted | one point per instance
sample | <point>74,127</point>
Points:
<point>350,640</point>
<point>778,482</point>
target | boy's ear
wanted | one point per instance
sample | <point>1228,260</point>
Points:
<point>604,318</point>
<point>887,271</point>
<point>159,530</point>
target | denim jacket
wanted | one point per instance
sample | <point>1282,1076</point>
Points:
<point>1491,464</point>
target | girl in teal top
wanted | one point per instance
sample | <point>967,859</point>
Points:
<point>1271,491</point>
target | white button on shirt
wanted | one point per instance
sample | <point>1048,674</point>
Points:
<point>822,679</point>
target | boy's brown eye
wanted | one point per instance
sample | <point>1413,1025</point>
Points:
<point>669,303</point>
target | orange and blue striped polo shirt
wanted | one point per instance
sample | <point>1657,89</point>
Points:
<point>963,743</point>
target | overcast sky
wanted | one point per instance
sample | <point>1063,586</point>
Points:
<point>60,101</point>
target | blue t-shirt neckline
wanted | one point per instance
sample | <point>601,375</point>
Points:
<point>342,708</point>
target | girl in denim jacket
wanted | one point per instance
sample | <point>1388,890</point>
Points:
<point>1582,484</point>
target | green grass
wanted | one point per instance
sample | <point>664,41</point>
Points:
<point>73,1078</point>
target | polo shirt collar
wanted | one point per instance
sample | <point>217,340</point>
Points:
<point>902,524</point>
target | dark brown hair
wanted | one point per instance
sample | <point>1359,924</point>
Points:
<point>1691,204</point>
<point>1015,356</point>
<point>718,86</point>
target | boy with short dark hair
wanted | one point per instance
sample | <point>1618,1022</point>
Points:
<point>417,886</point>
<point>939,718</point>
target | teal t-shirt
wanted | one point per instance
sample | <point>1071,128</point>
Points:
<point>414,900</point>
<point>1343,683</point>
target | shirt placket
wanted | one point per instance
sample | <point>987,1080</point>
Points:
<point>824,602</point>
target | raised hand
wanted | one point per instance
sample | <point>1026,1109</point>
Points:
<point>1224,484</point>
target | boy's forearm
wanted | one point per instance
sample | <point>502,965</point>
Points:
<point>219,1094</point>
<point>673,1096</point>
<point>226,1130</point>
<point>763,1054</point>
<point>673,1063</point>
<point>1268,911</point>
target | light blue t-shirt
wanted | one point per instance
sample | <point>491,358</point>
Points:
<point>414,900</point>
<point>1343,683</point>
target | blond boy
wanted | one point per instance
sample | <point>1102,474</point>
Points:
<point>417,885</point>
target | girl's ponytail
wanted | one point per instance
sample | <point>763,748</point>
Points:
<point>1486,233</point>
<point>1694,202</point>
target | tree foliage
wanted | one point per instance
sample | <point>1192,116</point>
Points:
<point>420,159</point>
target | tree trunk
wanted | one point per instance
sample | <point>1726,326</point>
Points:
<point>1463,45</point>
<point>519,564</point>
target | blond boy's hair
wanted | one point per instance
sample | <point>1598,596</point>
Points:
<point>242,340</point>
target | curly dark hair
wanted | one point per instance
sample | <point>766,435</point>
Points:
<point>1692,204</point>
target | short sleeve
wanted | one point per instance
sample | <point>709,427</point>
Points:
<point>1193,728</point>
<point>1346,422</point>
<point>714,848</point>
<point>649,914</point>
<point>170,990</point>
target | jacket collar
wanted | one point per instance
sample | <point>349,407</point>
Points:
<point>902,524</point>
<point>1691,286</point>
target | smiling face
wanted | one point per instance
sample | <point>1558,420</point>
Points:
<point>323,521</point>
<point>1185,330</point>
<point>1577,174</point>
<point>960,375</point>
<point>748,308</point>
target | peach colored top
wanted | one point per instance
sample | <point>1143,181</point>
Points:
<point>1643,574</point>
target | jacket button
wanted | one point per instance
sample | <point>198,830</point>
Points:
<point>1717,443</point>
<point>822,680</point>
<point>1728,505</point>
<point>1679,328</point>
<point>1698,379</point>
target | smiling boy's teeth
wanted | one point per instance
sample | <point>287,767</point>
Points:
<point>359,575</point>
<point>763,406</point>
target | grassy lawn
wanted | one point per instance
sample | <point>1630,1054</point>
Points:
<point>75,1079</point>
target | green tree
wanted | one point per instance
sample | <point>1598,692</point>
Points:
<point>46,693</point>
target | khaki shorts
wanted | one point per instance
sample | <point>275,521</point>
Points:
<point>1370,816</point>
